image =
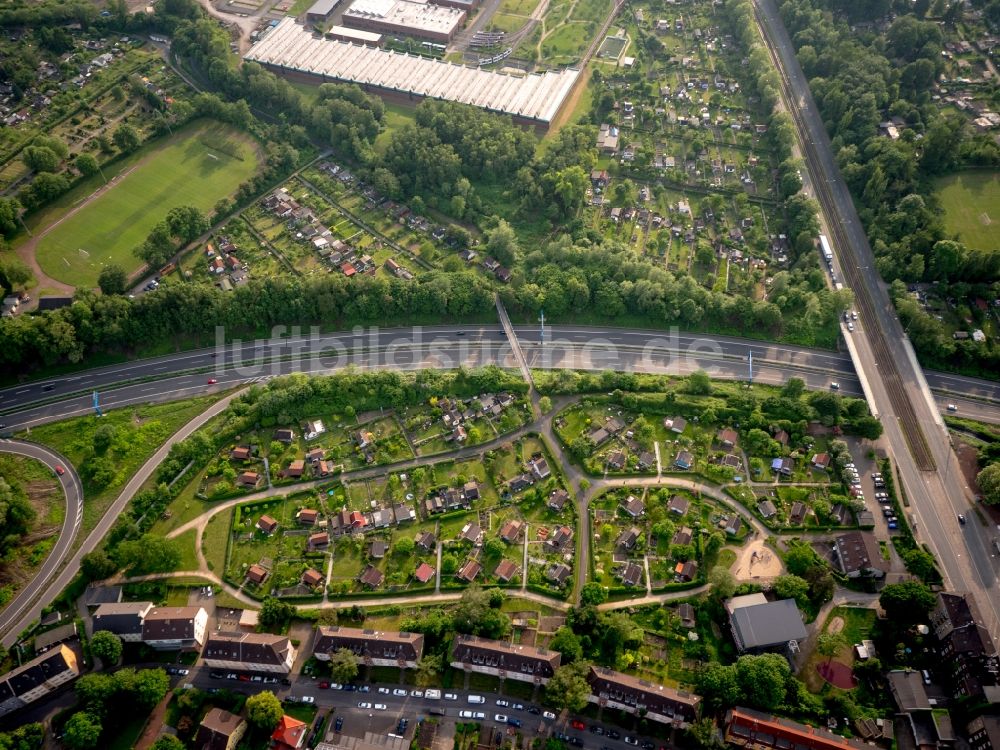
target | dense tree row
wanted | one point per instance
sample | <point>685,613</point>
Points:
<point>574,278</point>
<point>102,324</point>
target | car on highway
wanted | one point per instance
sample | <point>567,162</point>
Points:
<point>952,407</point>
<point>893,525</point>
<point>500,718</point>
<point>364,704</point>
<point>835,386</point>
<point>212,381</point>
<point>961,519</point>
<point>60,470</point>
<point>850,327</point>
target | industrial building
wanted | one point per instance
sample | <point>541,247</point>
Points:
<point>321,10</point>
<point>420,20</point>
<point>533,99</point>
<point>357,36</point>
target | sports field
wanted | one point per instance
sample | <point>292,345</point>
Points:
<point>971,203</point>
<point>196,167</point>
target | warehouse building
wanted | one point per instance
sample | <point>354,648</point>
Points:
<point>321,11</point>
<point>425,21</point>
<point>533,100</point>
<point>357,36</point>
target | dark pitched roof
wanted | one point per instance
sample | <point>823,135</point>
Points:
<point>170,623</point>
<point>374,644</point>
<point>766,624</point>
<point>121,618</point>
<point>635,692</point>
<point>216,729</point>
<point>858,551</point>
<point>755,729</point>
<point>371,576</point>
<point>248,648</point>
<point>531,660</point>
<point>38,671</point>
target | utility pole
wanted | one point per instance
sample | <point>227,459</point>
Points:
<point>97,405</point>
<point>751,366</point>
<point>541,319</point>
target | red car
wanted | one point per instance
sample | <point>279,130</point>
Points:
<point>577,724</point>
<point>60,470</point>
<point>212,381</point>
<point>324,685</point>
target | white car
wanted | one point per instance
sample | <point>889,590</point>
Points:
<point>850,327</point>
<point>307,699</point>
<point>465,714</point>
<point>380,707</point>
<point>364,704</point>
<point>548,715</point>
<point>500,718</point>
<point>399,693</point>
<point>384,690</point>
<point>450,697</point>
<point>416,693</point>
<point>478,715</point>
<point>502,702</point>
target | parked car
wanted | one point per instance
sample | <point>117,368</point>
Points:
<point>399,693</point>
<point>324,685</point>
<point>502,702</point>
<point>548,715</point>
<point>384,690</point>
<point>338,724</point>
<point>364,704</point>
<point>577,724</point>
<point>450,697</point>
<point>500,718</point>
<point>380,707</point>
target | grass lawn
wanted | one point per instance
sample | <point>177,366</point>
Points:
<point>971,202</point>
<point>189,555</point>
<point>214,540</point>
<point>197,166</point>
<point>138,432</point>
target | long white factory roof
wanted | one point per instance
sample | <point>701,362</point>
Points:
<point>536,96</point>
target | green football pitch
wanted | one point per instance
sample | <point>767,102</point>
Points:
<point>195,167</point>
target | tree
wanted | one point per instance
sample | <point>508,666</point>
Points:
<point>717,684</point>
<point>474,615</point>
<point>148,553</point>
<point>86,164</point>
<point>989,483</point>
<point>275,613</point>
<point>763,679</point>
<point>705,733</point>
<point>502,244</point>
<point>722,581</point>
<point>428,669</point>
<point>568,687</point>
<point>567,643</point>
<point>186,223</point>
<point>792,587</point>
<point>343,665</point>
<point>920,563</point>
<point>113,279</point>
<point>149,687</point>
<point>107,647</point>
<point>82,731</point>
<point>794,388</point>
<point>545,404</point>
<point>799,559</point>
<point>699,384</point>
<point>264,710</point>
<point>168,742</point>
<point>126,138</point>
<point>17,272</point>
<point>40,159</point>
<point>906,603</point>
<point>95,691</point>
<point>593,594</point>
<point>97,566</point>
<point>829,644</point>
<point>404,546</point>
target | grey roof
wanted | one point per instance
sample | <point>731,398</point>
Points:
<point>322,7</point>
<point>907,688</point>
<point>770,624</point>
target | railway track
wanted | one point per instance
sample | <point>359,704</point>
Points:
<point>851,268</point>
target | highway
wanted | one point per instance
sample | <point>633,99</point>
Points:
<point>73,493</point>
<point>186,374</point>
<point>883,357</point>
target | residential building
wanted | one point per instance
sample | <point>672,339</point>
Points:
<point>686,614</point>
<point>676,425</point>
<point>649,700</point>
<point>560,539</point>
<point>469,571</point>
<point>267,525</point>
<point>252,652</point>
<point>558,499</point>
<point>767,509</point>
<point>175,628</point>
<point>783,466</point>
<point>633,506</point>
<point>472,532</point>
<point>372,647</point>
<point>678,505</point>
<point>965,643</point>
<point>426,541</point>
<point>857,553</point>
<point>37,678</point>
<point>628,538</point>
<point>727,438</point>
<point>630,574</point>
<point>821,461</point>
<point>284,436</point>
<point>307,517</point>
<point>506,570</point>
<point>759,625</point>
<point>248,479</point>
<point>124,619</point>
<point>371,577</point>
<point>686,571</point>
<point>907,688</point>
<point>510,532</point>
<point>312,578</point>
<point>759,731</point>
<point>424,573</point>
<point>256,574</point>
<point>290,734</point>
<point>320,540</point>
<point>683,535</point>
<point>558,573</point>
<point>797,515</point>
<point>984,733</point>
<point>684,460</point>
<point>504,660</point>
<point>220,730</point>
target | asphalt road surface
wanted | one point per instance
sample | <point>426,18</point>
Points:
<point>72,490</point>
